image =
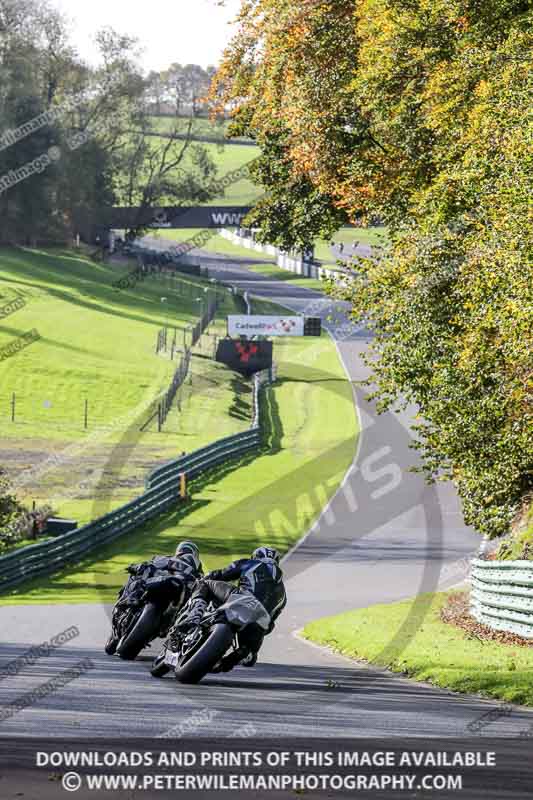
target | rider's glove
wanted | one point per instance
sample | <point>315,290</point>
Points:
<point>214,575</point>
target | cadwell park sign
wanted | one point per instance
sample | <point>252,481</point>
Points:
<point>261,325</point>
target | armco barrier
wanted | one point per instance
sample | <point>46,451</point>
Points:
<point>502,595</point>
<point>161,493</point>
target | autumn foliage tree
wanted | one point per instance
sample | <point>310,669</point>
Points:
<point>9,507</point>
<point>416,112</point>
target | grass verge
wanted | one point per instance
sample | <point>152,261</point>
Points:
<point>97,345</point>
<point>272,497</point>
<point>279,274</point>
<point>216,244</point>
<point>431,650</point>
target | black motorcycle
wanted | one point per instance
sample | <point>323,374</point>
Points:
<point>193,652</point>
<point>145,610</point>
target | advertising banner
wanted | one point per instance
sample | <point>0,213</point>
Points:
<point>245,357</point>
<point>261,325</point>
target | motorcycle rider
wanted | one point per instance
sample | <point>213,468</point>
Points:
<point>177,574</point>
<point>171,577</point>
<point>259,575</point>
<point>187,553</point>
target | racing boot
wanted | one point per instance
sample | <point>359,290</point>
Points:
<point>230,661</point>
<point>250,660</point>
<point>196,612</point>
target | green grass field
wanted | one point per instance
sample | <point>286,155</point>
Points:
<point>201,126</point>
<point>216,244</point>
<point>371,236</point>
<point>98,344</point>
<point>229,158</point>
<point>277,273</point>
<point>93,341</point>
<point>273,497</point>
<point>429,649</point>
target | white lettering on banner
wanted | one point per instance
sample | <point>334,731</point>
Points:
<point>256,325</point>
<point>224,218</point>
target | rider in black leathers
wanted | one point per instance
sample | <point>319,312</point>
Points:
<point>259,575</point>
<point>169,578</point>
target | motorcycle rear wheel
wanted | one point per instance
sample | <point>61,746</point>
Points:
<point>146,627</point>
<point>205,658</point>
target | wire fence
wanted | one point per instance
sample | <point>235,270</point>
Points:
<point>162,492</point>
<point>168,339</point>
<point>163,405</point>
<point>78,413</point>
<point>75,411</point>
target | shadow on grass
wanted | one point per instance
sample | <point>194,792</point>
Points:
<point>90,286</point>
<point>234,530</point>
<point>271,423</point>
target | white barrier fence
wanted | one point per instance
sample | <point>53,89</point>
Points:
<point>248,242</point>
<point>292,262</point>
<point>502,595</point>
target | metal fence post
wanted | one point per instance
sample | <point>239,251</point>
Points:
<point>183,485</point>
<point>161,491</point>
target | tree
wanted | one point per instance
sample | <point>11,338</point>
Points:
<point>95,145</point>
<point>415,112</point>
<point>9,507</point>
<point>184,87</point>
<point>151,171</point>
<point>157,91</point>
<point>293,212</point>
<point>42,93</point>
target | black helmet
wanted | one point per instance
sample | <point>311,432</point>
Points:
<point>187,547</point>
<point>192,560</point>
<point>266,554</point>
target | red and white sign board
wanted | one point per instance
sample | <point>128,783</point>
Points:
<point>261,325</point>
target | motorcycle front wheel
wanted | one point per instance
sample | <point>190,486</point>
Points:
<point>193,669</point>
<point>146,627</point>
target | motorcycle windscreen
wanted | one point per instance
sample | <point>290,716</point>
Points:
<point>244,609</point>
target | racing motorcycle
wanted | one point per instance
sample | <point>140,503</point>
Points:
<point>145,610</point>
<point>194,651</point>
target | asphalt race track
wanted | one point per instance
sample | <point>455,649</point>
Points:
<point>386,536</point>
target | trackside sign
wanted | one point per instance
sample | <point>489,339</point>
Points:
<point>259,325</point>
